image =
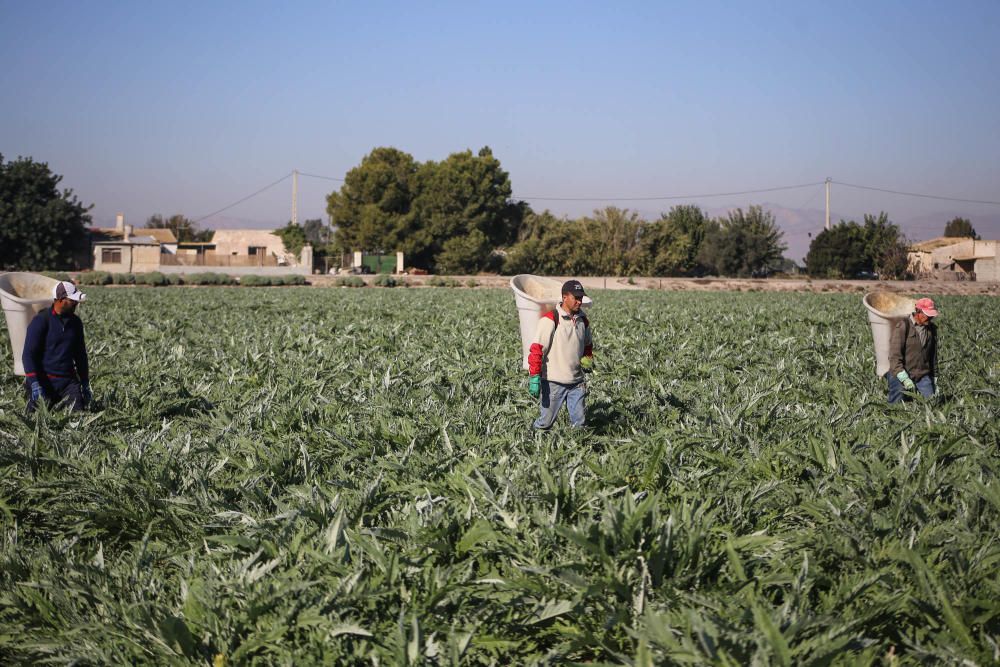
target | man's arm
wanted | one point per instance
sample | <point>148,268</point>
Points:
<point>538,349</point>
<point>33,355</point>
<point>897,341</point>
<point>80,358</point>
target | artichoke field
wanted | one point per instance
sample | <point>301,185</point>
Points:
<point>324,476</point>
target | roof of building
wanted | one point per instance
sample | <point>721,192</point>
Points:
<point>939,242</point>
<point>132,240</point>
<point>163,235</point>
<point>246,236</point>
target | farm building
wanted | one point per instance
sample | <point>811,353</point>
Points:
<point>123,250</point>
<point>956,258</point>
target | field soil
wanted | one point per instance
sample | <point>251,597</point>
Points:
<point>957,288</point>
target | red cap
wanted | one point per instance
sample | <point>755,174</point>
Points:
<point>926,306</point>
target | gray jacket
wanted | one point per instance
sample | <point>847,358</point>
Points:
<point>907,352</point>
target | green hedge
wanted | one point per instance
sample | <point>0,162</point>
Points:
<point>95,278</point>
<point>350,281</point>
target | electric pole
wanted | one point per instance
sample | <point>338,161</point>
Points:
<point>295,199</point>
<point>828,202</point>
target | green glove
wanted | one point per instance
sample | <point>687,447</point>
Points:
<point>587,364</point>
<point>535,385</point>
<point>905,379</point>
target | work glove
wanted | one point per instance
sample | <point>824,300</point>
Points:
<point>88,396</point>
<point>587,364</point>
<point>37,393</point>
<point>905,379</point>
<point>535,385</point>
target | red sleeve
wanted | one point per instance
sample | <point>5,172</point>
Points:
<point>535,353</point>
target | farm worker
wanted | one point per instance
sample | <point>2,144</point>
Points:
<point>55,355</point>
<point>562,351</point>
<point>913,352</point>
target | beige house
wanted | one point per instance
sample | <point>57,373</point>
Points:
<point>233,251</point>
<point>123,251</point>
<point>956,258</point>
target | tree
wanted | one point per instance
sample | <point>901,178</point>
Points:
<point>848,250</point>
<point>670,245</point>
<point>960,227</point>
<point>373,209</point>
<point>292,236</point>
<point>184,229</point>
<point>743,244</point>
<point>316,232</point>
<point>839,252</point>
<point>40,227</point>
<point>459,196</point>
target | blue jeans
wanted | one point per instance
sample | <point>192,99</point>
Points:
<point>925,386</point>
<point>58,390</point>
<point>552,397</point>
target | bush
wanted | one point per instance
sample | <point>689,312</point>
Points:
<point>472,282</point>
<point>58,275</point>
<point>123,278</point>
<point>255,281</point>
<point>385,280</point>
<point>350,281</point>
<point>443,281</point>
<point>175,279</point>
<point>153,278</point>
<point>209,279</point>
<point>293,279</point>
<point>95,278</point>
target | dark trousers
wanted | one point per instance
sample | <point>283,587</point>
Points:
<point>56,391</point>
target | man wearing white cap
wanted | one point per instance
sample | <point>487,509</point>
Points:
<point>913,353</point>
<point>55,354</point>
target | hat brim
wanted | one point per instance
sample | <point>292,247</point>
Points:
<point>929,312</point>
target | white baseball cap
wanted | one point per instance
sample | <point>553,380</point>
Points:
<point>67,290</point>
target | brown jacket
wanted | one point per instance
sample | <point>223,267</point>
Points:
<point>906,352</point>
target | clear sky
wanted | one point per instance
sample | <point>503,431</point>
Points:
<point>185,107</point>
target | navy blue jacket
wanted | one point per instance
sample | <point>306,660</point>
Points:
<point>54,348</point>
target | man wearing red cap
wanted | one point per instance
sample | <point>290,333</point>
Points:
<point>913,353</point>
<point>562,351</point>
<point>55,354</point>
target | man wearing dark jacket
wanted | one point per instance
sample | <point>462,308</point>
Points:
<point>913,353</point>
<point>55,354</point>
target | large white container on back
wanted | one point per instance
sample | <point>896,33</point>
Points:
<point>535,295</point>
<point>884,308</point>
<point>23,295</point>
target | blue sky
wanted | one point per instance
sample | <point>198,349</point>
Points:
<point>187,107</point>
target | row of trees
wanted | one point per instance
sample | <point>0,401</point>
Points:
<point>458,216</point>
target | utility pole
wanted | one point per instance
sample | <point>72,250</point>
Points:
<point>828,202</point>
<point>295,199</point>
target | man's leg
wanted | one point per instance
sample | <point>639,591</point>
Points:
<point>925,386</point>
<point>895,388</point>
<point>70,391</point>
<point>576,403</point>
<point>551,399</point>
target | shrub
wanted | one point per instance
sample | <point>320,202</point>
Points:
<point>95,278</point>
<point>350,281</point>
<point>58,275</point>
<point>472,282</point>
<point>255,281</point>
<point>385,280</point>
<point>175,279</point>
<point>153,278</point>
<point>443,281</point>
<point>209,279</point>
<point>292,279</point>
<point>123,278</point>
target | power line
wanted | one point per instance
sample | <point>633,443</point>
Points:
<point>668,197</point>
<point>325,178</point>
<point>226,208</point>
<point>917,194</point>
